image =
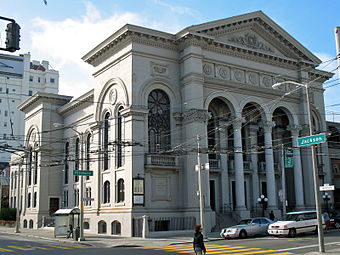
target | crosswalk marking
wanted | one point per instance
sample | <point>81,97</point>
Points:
<point>7,250</point>
<point>36,247</point>
<point>216,249</point>
<point>20,248</point>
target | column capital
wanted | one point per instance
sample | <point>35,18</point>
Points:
<point>237,122</point>
<point>294,129</point>
<point>268,126</point>
<point>253,128</point>
<point>196,115</point>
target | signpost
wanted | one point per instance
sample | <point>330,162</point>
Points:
<point>83,172</point>
<point>310,140</point>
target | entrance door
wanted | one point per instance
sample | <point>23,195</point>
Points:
<point>212,195</point>
<point>54,205</point>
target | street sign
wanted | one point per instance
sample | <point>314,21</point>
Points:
<point>83,172</point>
<point>327,187</point>
<point>310,140</point>
<point>289,159</point>
<point>88,199</point>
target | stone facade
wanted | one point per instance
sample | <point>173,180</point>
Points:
<point>153,94</point>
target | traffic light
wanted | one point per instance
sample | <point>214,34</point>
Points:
<point>13,37</point>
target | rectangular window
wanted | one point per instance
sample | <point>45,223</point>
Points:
<point>13,101</point>
<point>0,100</point>
<point>13,90</point>
<point>6,113</point>
<point>7,90</point>
<point>0,89</point>
<point>5,124</point>
<point>38,79</point>
<point>31,78</point>
<point>52,80</point>
<point>30,92</point>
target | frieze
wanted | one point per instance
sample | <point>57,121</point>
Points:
<point>223,72</point>
<point>208,69</point>
<point>253,78</point>
<point>239,75</point>
<point>196,115</point>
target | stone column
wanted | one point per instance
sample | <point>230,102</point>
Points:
<point>224,165</point>
<point>239,174</point>
<point>298,179</point>
<point>254,162</point>
<point>270,171</point>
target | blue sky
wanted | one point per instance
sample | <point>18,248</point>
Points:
<point>63,31</point>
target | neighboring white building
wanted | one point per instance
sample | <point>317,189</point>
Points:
<point>20,78</point>
<point>153,93</point>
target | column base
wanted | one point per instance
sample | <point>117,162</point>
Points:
<point>241,213</point>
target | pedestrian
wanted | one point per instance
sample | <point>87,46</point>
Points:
<point>69,231</point>
<point>271,215</point>
<point>198,241</point>
<point>327,220</point>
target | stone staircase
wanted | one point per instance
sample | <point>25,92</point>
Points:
<point>223,220</point>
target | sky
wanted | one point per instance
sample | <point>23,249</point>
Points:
<point>65,30</point>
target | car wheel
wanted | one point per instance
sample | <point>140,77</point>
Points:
<point>292,233</point>
<point>243,234</point>
<point>337,224</point>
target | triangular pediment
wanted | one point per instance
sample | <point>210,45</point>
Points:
<point>255,31</point>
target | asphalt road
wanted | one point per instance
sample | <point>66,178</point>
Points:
<point>14,244</point>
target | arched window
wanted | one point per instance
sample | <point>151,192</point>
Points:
<point>31,224</point>
<point>76,158</point>
<point>66,166</point>
<point>88,148</point>
<point>29,200</point>
<point>25,223</point>
<point>159,121</point>
<point>35,167</point>
<point>115,228</point>
<point>35,199</point>
<point>101,227</point>
<point>106,140</point>
<point>106,192</point>
<point>30,159</point>
<point>121,191</point>
<point>120,155</point>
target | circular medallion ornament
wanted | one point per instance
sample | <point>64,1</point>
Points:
<point>223,72</point>
<point>207,69</point>
<point>253,78</point>
<point>113,96</point>
<point>266,81</point>
<point>238,74</point>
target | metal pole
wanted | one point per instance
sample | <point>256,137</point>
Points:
<point>316,178</point>
<point>81,236</point>
<point>337,42</point>
<point>200,185</point>
<point>17,220</point>
<point>283,182</point>
<point>1,179</point>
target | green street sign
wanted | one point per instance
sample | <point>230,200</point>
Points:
<point>289,159</point>
<point>313,139</point>
<point>83,172</point>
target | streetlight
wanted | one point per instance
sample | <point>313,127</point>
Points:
<point>326,197</point>
<point>315,170</point>
<point>263,201</point>
<point>81,197</point>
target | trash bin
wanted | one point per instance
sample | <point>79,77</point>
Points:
<point>76,233</point>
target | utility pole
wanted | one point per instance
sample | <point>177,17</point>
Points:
<point>337,41</point>
<point>81,234</point>
<point>1,179</point>
<point>200,185</point>
<point>17,222</point>
<point>283,181</point>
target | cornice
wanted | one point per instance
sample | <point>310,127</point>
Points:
<point>76,103</point>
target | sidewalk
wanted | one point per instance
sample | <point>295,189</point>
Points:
<point>107,241</point>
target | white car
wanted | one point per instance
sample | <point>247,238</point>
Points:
<point>295,223</point>
<point>247,227</point>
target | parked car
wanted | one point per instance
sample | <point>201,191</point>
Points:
<point>247,227</point>
<point>295,223</point>
<point>335,219</point>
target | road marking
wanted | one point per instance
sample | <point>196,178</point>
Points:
<point>256,252</point>
<point>281,253</point>
<point>307,246</point>
<point>3,249</point>
<point>20,248</point>
<point>36,247</point>
<point>57,246</point>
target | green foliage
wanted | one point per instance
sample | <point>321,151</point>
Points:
<point>7,214</point>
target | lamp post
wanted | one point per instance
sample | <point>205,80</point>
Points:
<point>262,201</point>
<point>315,169</point>
<point>81,190</point>
<point>326,197</point>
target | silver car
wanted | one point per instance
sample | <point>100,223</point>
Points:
<point>247,227</point>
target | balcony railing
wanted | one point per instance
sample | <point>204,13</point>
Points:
<point>161,160</point>
<point>214,163</point>
<point>247,165</point>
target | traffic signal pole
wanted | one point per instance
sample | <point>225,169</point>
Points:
<point>12,35</point>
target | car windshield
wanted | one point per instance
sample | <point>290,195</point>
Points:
<point>244,222</point>
<point>291,217</point>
